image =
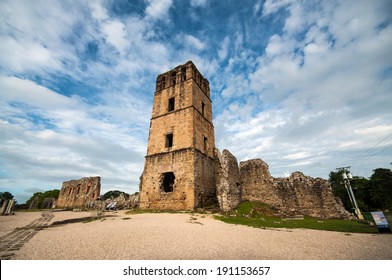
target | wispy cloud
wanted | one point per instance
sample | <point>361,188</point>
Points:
<point>158,9</point>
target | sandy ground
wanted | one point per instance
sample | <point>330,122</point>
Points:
<point>180,236</point>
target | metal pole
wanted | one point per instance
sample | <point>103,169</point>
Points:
<point>357,210</point>
<point>350,191</point>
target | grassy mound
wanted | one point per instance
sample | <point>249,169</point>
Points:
<point>261,215</point>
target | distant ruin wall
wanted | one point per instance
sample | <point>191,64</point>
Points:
<point>79,193</point>
<point>295,195</point>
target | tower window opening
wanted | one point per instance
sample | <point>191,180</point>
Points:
<point>183,74</point>
<point>169,140</point>
<point>202,108</point>
<point>171,104</point>
<point>168,181</point>
<point>205,144</point>
<point>173,78</point>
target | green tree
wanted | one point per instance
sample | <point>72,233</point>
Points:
<point>114,194</point>
<point>30,200</point>
<point>371,194</point>
<point>6,195</point>
<point>360,187</point>
<point>41,197</point>
<point>338,188</point>
<point>380,189</point>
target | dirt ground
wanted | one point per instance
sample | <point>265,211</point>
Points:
<point>163,236</point>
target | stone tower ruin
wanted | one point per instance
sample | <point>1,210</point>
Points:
<point>179,166</point>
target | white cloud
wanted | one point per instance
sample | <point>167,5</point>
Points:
<point>158,9</point>
<point>272,6</point>
<point>311,88</point>
<point>116,35</point>
<point>257,7</point>
<point>299,155</point>
<point>98,12</point>
<point>296,21</point>
<point>22,56</point>
<point>30,35</point>
<point>55,138</point>
<point>24,91</point>
<point>194,43</point>
<point>224,49</point>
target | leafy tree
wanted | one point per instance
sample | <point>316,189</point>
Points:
<point>114,194</point>
<point>30,200</point>
<point>6,195</point>
<point>380,188</point>
<point>360,187</point>
<point>41,197</point>
<point>338,188</point>
<point>371,194</point>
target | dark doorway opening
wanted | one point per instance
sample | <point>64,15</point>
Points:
<point>168,181</point>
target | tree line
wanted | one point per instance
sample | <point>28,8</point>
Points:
<point>372,194</point>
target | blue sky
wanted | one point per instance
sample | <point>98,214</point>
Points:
<point>304,85</point>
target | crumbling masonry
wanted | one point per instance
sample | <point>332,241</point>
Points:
<point>79,193</point>
<point>183,170</point>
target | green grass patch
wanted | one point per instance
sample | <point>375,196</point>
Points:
<point>259,215</point>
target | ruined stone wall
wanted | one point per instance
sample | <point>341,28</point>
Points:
<point>228,181</point>
<point>257,183</point>
<point>296,195</point>
<point>79,193</point>
<point>309,196</point>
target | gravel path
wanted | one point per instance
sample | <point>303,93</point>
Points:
<point>71,235</point>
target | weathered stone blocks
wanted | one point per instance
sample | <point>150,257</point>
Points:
<point>228,181</point>
<point>179,166</point>
<point>79,193</point>
<point>296,195</point>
